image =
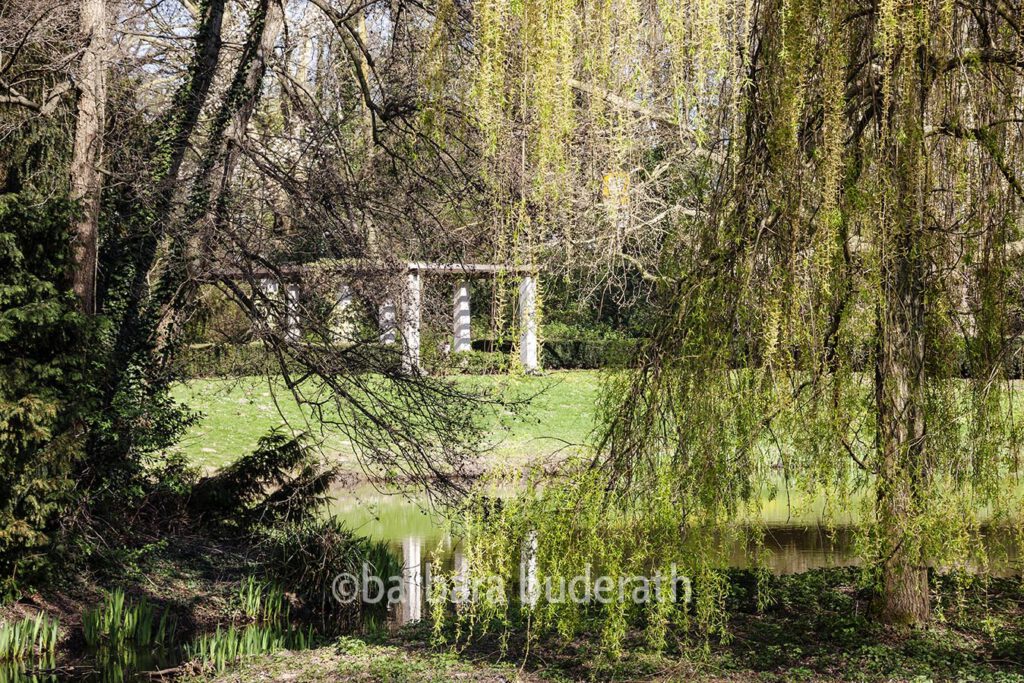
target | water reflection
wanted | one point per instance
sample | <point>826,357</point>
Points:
<point>412,530</point>
<point>794,549</point>
<point>411,607</point>
<point>127,665</point>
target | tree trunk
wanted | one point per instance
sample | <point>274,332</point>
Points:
<point>900,393</point>
<point>900,387</point>
<point>209,192</point>
<point>86,180</point>
<point>203,229</point>
<point>250,77</point>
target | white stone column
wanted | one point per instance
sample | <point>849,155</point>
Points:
<point>462,339</point>
<point>411,323</point>
<point>291,312</point>
<point>528,346</point>
<point>269,289</point>
<point>411,608</point>
<point>343,327</point>
<point>388,323</point>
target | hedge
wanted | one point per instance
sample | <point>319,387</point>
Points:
<point>486,358</point>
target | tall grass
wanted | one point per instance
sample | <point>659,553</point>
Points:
<point>119,621</point>
<point>29,637</point>
<point>226,646</point>
<point>263,601</point>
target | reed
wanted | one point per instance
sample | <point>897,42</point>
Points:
<point>118,621</point>
<point>29,637</point>
<point>263,601</point>
<point>227,645</point>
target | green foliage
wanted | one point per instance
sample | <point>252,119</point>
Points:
<point>281,481</point>
<point>812,316</point>
<point>240,360</point>
<point>475,362</point>
<point>45,390</point>
<point>29,637</point>
<point>264,604</point>
<point>263,601</point>
<point>581,532</point>
<point>571,354</point>
<point>225,360</point>
<point>565,348</point>
<point>118,621</point>
<point>308,556</point>
<point>817,626</point>
<point>227,646</point>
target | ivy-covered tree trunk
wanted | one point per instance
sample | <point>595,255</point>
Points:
<point>142,210</point>
<point>86,179</point>
<point>204,224</point>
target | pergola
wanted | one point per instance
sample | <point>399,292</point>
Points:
<point>406,327</point>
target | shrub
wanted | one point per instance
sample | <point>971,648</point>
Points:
<point>225,360</point>
<point>589,354</point>
<point>44,387</point>
<point>246,360</point>
<point>281,481</point>
<point>308,556</point>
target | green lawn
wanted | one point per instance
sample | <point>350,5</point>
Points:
<point>234,413</point>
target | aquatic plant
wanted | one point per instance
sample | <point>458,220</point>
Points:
<point>226,645</point>
<point>263,601</point>
<point>29,637</point>
<point>118,620</point>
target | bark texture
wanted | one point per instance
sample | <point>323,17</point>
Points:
<point>86,179</point>
<point>900,382</point>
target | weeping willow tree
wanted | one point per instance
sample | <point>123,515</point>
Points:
<point>823,198</point>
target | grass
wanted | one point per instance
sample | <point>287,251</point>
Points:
<point>235,413</point>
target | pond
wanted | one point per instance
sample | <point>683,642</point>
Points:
<point>796,542</point>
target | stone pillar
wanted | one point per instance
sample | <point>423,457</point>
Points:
<point>528,346</point>
<point>343,327</point>
<point>462,340</point>
<point>268,291</point>
<point>411,323</point>
<point>411,608</point>
<point>388,323</point>
<point>291,312</point>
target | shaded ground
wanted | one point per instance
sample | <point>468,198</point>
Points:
<point>817,629</point>
<point>189,573</point>
<point>354,660</point>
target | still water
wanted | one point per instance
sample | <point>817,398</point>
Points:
<point>796,542</point>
